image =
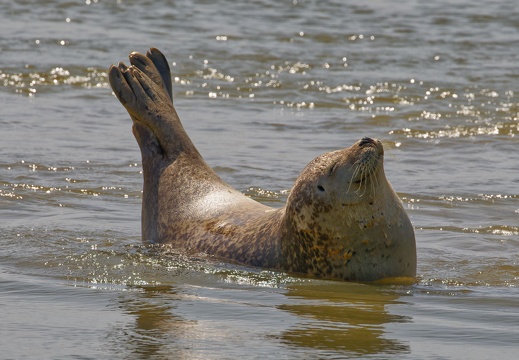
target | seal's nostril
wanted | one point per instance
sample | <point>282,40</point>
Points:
<point>365,140</point>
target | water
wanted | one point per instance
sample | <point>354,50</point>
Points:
<point>262,87</point>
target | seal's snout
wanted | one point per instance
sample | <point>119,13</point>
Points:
<point>376,144</point>
<point>365,141</point>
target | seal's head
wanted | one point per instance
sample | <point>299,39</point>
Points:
<point>342,214</point>
<point>347,176</point>
<point>341,178</point>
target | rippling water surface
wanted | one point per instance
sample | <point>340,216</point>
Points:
<point>262,87</point>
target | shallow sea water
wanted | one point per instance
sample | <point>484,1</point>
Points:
<point>262,87</point>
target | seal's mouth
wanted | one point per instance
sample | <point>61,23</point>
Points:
<point>370,152</point>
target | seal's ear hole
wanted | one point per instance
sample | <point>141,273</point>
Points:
<point>320,188</point>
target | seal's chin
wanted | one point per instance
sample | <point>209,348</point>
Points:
<point>367,163</point>
<point>369,155</point>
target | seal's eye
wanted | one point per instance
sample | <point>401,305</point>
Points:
<point>320,188</point>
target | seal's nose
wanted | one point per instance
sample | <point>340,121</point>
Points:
<point>365,141</point>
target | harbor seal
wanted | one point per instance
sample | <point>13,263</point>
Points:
<point>342,219</point>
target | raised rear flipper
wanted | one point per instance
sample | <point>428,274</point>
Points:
<point>142,91</point>
<point>155,65</point>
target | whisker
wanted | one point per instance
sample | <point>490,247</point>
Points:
<point>363,180</point>
<point>354,176</point>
